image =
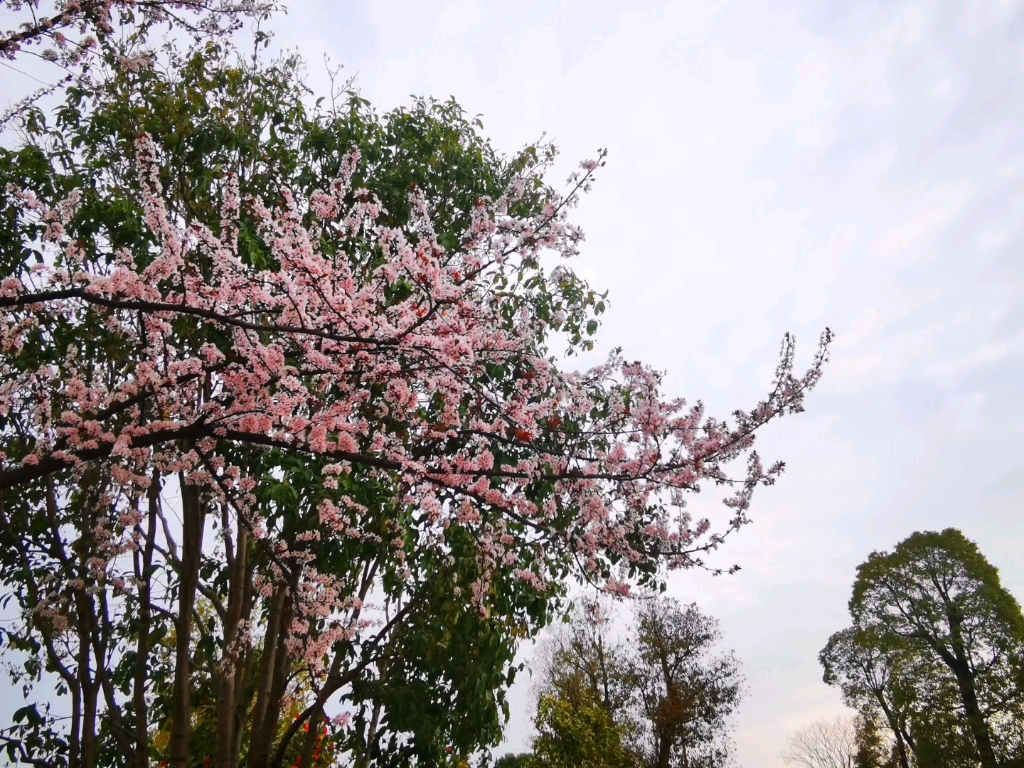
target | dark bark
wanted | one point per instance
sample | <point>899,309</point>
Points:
<point>145,575</point>
<point>243,670</point>
<point>975,719</point>
<point>86,610</point>
<point>282,664</point>
<point>227,694</point>
<point>90,697</point>
<point>363,760</point>
<point>191,550</point>
<point>897,731</point>
<point>309,745</point>
<point>75,738</point>
<point>259,748</point>
<point>664,752</point>
<point>961,667</point>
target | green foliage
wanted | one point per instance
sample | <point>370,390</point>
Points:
<point>669,695</point>
<point>936,652</point>
<point>876,683</point>
<point>522,760</point>
<point>572,734</point>
<point>436,685</point>
<point>873,749</point>
<point>936,593</point>
<point>942,741</point>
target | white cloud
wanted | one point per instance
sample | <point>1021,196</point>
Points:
<point>897,240</point>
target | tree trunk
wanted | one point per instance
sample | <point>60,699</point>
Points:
<point>90,692</point>
<point>363,760</point>
<point>262,738</point>
<point>901,752</point>
<point>227,694</point>
<point>141,758</point>
<point>89,687</point>
<point>309,745</point>
<point>664,752</point>
<point>282,663</point>
<point>75,739</point>
<point>975,718</point>
<point>968,692</point>
<point>191,550</point>
<point>897,732</point>
<point>243,669</point>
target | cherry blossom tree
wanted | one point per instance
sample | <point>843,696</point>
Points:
<point>74,36</point>
<point>68,32</point>
<point>286,453</point>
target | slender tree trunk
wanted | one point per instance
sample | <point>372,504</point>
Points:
<point>191,551</point>
<point>959,664</point>
<point>975,718</point>
<point>363,760</point>
<point>227,694</point>
<point>141,758</point>
<point>901,752</point>
<point>968,692</point>
<point>241,679</point>
<point>309,745</point>
<point>897,732</point>
<point>75,739</point>
<point>90,697</point>
<point>243,669</point>
<point>664,751</point>
<point>259,747</point>
<point>89,686</point>
<point>282,663</point>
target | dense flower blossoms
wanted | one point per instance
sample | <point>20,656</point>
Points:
<point>368,347</point>
<point>83,20</point>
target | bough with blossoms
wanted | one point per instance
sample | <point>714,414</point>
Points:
<point>312,441</point>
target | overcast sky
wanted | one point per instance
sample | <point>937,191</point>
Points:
<point>773,167</point>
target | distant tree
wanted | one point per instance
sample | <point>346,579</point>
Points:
<point>579,732</point>
<point>686,693</point>
<point>868,680</point>
<point>667,690</point>
<point>824,744</point>
<point>875,746</point>
<point>521,760</point>
<point>582,653</point>
<point>937,599</point>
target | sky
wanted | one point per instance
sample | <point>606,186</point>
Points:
<point>773,167</point>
